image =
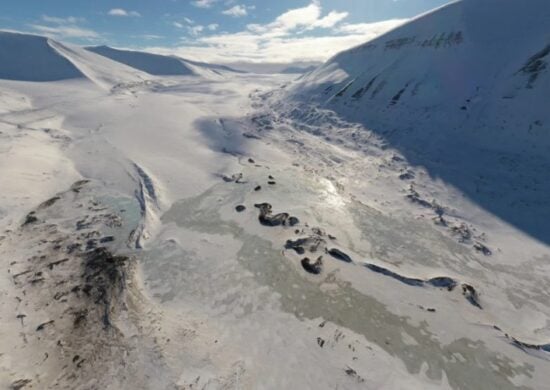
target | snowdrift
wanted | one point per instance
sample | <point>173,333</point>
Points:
<point>32,58</point>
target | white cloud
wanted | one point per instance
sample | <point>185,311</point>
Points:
<point>195,30</point>
<point>123,12</point>
<point>305,18</point>
<point>263,48</point>
<point>204,3</point>
<point>60,31</point>
<point>68,20</point>
<point>149,36</point>
<point>290,20</point>
<point>236,11</point>
<point>332,19</point>
<point>287,39</point>
<point>64,28</point>
<point>186,21</point>
<point>213,26</point>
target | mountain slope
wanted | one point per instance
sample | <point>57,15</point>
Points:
<point>154,64</point>
<point>35,58</point>
<point>470,64</point>
<point>32,58</point>
<point>216,68</point>
<point>100,70</point>
<point>462,92</point>
<point>160,65</point>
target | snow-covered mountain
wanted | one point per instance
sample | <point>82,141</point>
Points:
<point>151,63</point>
<point>32,58</point>
<point>27,57</point>
<point>461,91</point>
<point>156,64</point>
<point>476,66</point>
<point>35,58</point>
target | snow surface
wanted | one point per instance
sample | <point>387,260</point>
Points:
<point>462,69</point>
<point>472,84</point>
<point>189,293</point>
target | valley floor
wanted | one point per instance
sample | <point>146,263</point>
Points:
<point>126,265</point>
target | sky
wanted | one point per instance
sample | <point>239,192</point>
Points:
<point>222,31</point>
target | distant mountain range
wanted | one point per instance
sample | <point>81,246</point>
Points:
<point>157,64</point>
<point>27,57</point>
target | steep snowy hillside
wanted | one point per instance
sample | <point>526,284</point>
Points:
<point>160,65</point>
<point>477,66</point>
<point>31,58</point>
<point>151,63</point>
<point>461,91</point>
<point>34,58</point>
<point>100,70</point>
<point>216,68</point>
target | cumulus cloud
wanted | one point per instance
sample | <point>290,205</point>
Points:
<point>236,11</point>
<point>288,38</point>
<point>332,19</point>
<point>123,12</point>
<point>213,26</point>
<point>290,20</point>
<point>305,18</point>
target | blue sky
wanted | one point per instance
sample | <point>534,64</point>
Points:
<point>215,30</point>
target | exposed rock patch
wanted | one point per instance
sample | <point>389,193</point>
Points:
<point>314,268</point>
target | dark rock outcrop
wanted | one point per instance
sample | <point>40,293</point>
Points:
<point>313,268</point>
